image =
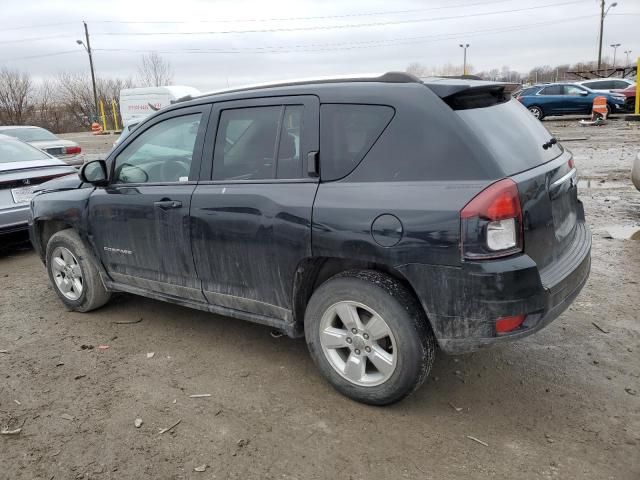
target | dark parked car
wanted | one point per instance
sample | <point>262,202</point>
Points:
<point>378,217</point>
<point>566,99</point>
<point>22,169</point>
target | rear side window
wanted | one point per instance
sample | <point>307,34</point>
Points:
<point>528,91</point>
<point>603,84</point>
<point>347,133</point>
<point>259,143</point>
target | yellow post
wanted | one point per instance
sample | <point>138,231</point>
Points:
<point>115,114</point>
<point>637,110</point>
<point>104,120</point>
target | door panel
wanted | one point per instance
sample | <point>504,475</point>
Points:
<point>140,223</point>
<point>141,244</point>
<point>250,230</point>
<point>248,240</point>
<point>575,102</point>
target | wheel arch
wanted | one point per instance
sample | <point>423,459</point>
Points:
<point>314,271</point>
<point>45,229</point>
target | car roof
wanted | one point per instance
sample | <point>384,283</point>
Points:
<point>13,127</point>
<point>389,77</point>
<point>604,79</point>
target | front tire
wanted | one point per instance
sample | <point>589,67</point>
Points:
<point>536,112</point>
<point>73,274</point>
<point>369,337</point>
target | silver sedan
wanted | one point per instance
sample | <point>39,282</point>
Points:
<point>66,150</point>
<point>22,168</point>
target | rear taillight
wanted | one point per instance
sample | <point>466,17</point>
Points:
<point>72,150</point>
<point>509,324</point>
<point>571,163</point>
<point>491,223</point>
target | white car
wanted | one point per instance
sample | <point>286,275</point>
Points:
<point>606,84</point>
<point>635,172</point>
<point>66,150</point>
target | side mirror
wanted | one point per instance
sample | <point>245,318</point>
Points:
<point>584,93</point>
<point>94,172</point>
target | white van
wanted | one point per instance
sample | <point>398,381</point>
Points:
<point>136,104</point>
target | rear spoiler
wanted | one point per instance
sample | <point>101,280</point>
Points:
<point>446,87</point>
<point>461,94</point>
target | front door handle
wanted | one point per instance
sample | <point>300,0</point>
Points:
<point>167,204</point>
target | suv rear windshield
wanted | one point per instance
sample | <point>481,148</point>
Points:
<point>512,135</point>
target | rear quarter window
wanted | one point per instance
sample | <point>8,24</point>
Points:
<point>347,133</point>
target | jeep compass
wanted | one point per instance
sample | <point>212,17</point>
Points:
<point>378,217</point>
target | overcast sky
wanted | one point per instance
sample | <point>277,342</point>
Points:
<point>253,41</point>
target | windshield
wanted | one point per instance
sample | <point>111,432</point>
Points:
<point>31,134</point>
<point>512,134</point>
<point>14,151</point>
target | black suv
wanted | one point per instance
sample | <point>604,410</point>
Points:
<point>378,217</point>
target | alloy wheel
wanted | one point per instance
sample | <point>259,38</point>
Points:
<point>358,343</point>
<point>67,273</point>
<point>535,111</point>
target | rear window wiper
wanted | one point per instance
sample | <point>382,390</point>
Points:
<point>552,141</point>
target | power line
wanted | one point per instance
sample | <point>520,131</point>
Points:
<point>335,27</point>
<point>319,47</point>
<point>317,17</point>
<point>32,39</point>
<point>41,55</point>
<point>24,27</point>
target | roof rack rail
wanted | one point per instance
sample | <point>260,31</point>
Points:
<point>388,77</point>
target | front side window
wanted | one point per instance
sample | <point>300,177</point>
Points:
<point>552,90</point>
<point>573,91</point>
<point>163,153</point>
<point>258,143</point>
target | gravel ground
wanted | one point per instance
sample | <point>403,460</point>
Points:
<point>564,403</point>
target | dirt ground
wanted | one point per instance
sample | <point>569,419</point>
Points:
<point>564,403</point>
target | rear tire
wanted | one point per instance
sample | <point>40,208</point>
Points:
<point>537,112</point>
<point>369,337</point>
<point>73,273</point>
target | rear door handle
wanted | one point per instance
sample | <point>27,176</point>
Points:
<point>167,204</point>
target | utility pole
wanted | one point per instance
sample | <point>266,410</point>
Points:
<point>627,52</point>
<point>603,13</point>
<point>615,49</point>
<point>87,47</point>
<point>464,64</point>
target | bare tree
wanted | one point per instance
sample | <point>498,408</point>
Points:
<point>76,96</point>
<point>417,69</point>
<point>15,96</point>
<point>154,71</point>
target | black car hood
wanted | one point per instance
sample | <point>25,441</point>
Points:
<point>68,182</point>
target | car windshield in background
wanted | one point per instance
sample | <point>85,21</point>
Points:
<point>512,134</point>
<point>13,151</point>
<point>31,134</point>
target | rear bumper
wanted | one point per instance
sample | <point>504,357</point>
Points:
<point>463,303</point>
<point>14,219</point>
